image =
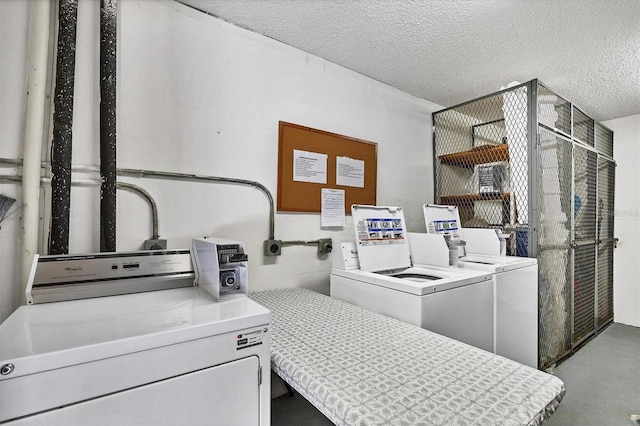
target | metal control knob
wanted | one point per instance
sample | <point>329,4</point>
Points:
<point>228,279</point>
<point>7,369</point>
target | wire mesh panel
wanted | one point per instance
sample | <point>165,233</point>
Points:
<point>584,287</point>
<point>554,162</point>
<point>583,127</point>
<point>604,284</point>
<point>482,166</point>
<point>606,242</point>
<point>604,140</point>
<point>554,238</point>
<point>481,159</point>
<point>605,203</point>
<point>554,327</point>
<point>584,198</point>
<point>554,112</point>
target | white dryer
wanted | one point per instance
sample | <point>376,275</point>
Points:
<point>153,349</point>
<point>376,273</point>
<point>515,281</point>
<point>516,304</point>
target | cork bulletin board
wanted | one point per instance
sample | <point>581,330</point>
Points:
<point>311,159</point>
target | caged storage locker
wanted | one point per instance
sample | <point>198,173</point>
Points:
<point>529,162</point>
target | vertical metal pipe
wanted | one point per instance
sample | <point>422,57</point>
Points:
<point>533,173</point>
<point>62,127</point>
<point>108,29</point>
<point>34,132</point>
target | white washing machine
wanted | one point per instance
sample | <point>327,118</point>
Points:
<point>376,273</point>
<point>515,281</point>
<point>166,353</point>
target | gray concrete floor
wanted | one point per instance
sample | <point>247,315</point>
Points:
<point>296,411</point>
<point>602,381</point>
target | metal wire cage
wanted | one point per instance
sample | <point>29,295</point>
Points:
<point>481,161</point>
<point>529,162</point>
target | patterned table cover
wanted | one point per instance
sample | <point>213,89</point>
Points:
<point>358,367</point>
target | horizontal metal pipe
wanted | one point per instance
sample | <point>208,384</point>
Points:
<point>46,164</point>
<point>11,161</point>
<point>90,182</point>
<point>141,173</point>
<point>299,243</point>
<point>47,180</point>
<point>76,182</point>
<point>191,177</point>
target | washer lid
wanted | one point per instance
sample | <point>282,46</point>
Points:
<point>381,238</point>
<point>443,220</point>
<point>495,264</point>
<point>54,335</point>
<point>445,279</point>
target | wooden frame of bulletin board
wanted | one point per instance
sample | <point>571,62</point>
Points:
<point>297,196</point>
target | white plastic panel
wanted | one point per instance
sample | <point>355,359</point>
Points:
<point>516,315</point>
<point>428,249</point>
<point>346,257</point>
<point>69,277</point>
<point>482,240</point>
<point>381,240</point>
<point>444,220</point>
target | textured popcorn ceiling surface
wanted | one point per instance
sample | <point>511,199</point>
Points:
<point>451,51</point>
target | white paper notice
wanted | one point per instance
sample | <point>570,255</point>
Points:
<point>333,207</point>
<point>349,172</point>
<point>309,167</point>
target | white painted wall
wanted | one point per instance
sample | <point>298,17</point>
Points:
<point>13,64</point>
<point>198,95</point>
<point>626,287</point>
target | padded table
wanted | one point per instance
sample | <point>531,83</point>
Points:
<point>359,367</point>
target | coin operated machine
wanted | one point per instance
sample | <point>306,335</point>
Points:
<point>220,267</point>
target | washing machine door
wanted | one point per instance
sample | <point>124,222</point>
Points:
<point>225,394</point>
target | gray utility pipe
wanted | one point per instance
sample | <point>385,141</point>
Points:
<point>34,133</point>
<point>150,200</point>
<point>62,128</point>
<point>108,35</point>
<point>190,177</point>
<point>121,185</point>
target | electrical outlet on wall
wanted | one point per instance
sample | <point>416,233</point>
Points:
<point>272,247</point>
<point>325,245</point>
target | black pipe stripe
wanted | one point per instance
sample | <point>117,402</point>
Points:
<point>62,127</point>
<point>108,36</point>
<point>112,255</point>
<point>186,274</point>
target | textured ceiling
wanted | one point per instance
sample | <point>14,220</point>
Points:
<point>452,51</point>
